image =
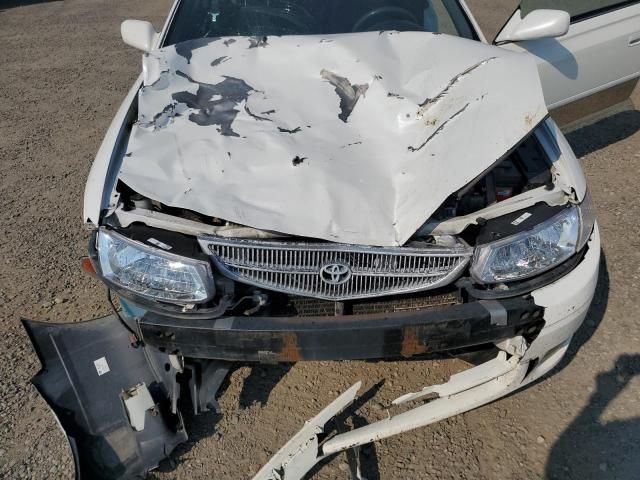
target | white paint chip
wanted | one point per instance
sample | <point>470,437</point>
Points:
<point>159,244</point>
<point>521,219</point>
<point>102,366</point>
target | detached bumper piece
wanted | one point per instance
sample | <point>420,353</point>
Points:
<point>113,407</point>
<point>465,391</point>
<point>347,337</point>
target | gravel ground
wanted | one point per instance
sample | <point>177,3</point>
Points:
<point>63,73</point>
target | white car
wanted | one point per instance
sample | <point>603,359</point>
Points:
<point>294,180</point>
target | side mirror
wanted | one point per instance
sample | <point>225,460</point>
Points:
<point>139,34</point>
<point>538,24</point>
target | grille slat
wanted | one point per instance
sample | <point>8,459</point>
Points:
<point>301,268</point>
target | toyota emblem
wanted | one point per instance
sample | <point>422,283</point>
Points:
<point>335,273</point>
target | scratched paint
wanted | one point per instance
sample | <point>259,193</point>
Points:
<point>392,124</point>
<point>430,101</point>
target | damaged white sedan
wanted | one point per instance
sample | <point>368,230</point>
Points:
<point>294,180</point>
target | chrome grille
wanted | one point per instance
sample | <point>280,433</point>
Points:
<point>334,271</point>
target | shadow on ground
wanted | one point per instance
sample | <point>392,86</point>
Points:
<point>261,381</point>
<point>257,388</point>
<point>197,427</point>
<point>605,132</point>
<point>364,460</point>
<point>592,448</point>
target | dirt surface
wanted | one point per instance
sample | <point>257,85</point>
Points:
<point>492,15</point>
<point>64,72</point>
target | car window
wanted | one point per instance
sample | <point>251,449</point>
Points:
<point>219,18</point>
<point>578,9</point>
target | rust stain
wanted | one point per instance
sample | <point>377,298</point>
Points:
<point>290,351</point>
<point>411,345</point>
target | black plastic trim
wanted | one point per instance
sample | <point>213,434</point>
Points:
<point>88,402</point>
<point>292,339</point>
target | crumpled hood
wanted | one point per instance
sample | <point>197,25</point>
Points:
<point>354,138</point>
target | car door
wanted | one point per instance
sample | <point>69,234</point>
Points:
<point>600,52</point>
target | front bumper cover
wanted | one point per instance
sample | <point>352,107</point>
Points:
<point>90,371</point>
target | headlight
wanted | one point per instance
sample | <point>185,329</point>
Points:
<point>587,220</point>
<point>535,251</point>
<point>151,272</point>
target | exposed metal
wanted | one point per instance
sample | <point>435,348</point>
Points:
<point>349,145</point>
<point>336,272</point>
<point>499,315</point>
<point>206,377</point>
<point>86,364</point>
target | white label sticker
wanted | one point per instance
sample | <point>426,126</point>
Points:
<point>102,366</point>
<point>158,243</point>
<point>521,219</point>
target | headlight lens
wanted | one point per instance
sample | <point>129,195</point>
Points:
<point>151,272</point>
<point>529,253</point>
<point>587,220</point>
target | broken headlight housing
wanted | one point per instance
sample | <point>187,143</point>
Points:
<point>153,273</point>
<point>535,251</point>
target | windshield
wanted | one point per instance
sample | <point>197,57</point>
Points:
<point>221,18</point>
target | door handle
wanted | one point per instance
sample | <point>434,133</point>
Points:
<point>634,40</point>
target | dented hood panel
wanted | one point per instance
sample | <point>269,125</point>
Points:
<point>354,138</point>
